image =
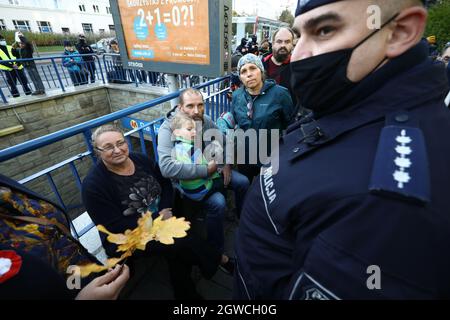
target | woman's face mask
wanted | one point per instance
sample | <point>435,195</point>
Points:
<point>2,43</point>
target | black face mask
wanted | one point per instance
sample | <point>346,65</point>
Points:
<point>322,80</point>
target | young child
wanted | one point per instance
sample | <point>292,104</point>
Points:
<point>183,128</point>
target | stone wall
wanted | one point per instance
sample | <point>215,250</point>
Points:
<point>52,114</point>
<point>44,117</point>
<point>120,99</point>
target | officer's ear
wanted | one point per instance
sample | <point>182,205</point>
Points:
<point>406,31</point>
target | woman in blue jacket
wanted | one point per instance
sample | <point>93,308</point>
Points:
<point>259,104</point>
<point>74,64</point>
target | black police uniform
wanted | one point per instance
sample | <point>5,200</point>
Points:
<point>360,206</point>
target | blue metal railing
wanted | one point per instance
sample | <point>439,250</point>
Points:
<point>48,72</point>
<point>216,102</point>
<point>54,74</point>
<point>51,73</point>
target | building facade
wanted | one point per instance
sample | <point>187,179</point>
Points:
<point>263,28</point>
<point>57,16</point>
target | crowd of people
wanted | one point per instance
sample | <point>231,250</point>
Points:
<point>350,201</point>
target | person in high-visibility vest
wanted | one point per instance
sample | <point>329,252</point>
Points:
<point>12,70</point>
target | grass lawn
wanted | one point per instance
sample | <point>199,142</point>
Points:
<point>51,49</point>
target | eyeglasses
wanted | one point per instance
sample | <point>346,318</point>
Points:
<point>110,148</point>
<point>250,110</point>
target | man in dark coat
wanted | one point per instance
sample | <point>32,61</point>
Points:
<point>89,58</point>
<point>26,52</point>
<point>356,206</point>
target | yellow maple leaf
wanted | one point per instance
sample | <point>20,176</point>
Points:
<point>87,269</point>
<point>165,230</point>
<point>137,239</point>
<point>112,237</point>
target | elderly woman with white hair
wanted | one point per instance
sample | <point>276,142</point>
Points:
<point>122,186</point>
<point>259,104</point>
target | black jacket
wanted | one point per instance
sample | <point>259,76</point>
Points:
<point>361,191</point>
<point>100,197</point>
<point>84,48</point>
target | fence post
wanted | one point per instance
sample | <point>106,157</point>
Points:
<point>101,70</point>
<point>87,139</point>
<point>57,74</point>
<point>173,87</point>
<point>3,96</point>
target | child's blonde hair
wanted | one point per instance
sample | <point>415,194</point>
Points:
<point>179,120</point>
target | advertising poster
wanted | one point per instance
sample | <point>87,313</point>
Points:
<point>173,31</point>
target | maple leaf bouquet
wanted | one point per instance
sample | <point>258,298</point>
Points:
<point>147,230</point>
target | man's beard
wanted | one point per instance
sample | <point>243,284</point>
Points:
<point>198,118</point>
<point>281,57</point>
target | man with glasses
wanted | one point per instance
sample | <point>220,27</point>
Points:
<point>359,208</point>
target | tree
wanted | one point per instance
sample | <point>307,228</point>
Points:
<point>439,22</point>
<point>286,16</point>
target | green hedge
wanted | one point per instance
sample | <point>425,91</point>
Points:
<point>51,39</point>
<point>439,23</point>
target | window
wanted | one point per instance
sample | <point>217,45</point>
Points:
<point>82,8</point>
<point>101,31</point>
<point>65,30</point>
<point>87,28</point>
<point>44,26</point>
<point>22,25</point>
<point>112,27</point>
<point>16,2</point>
<point>2,24</point>
<point>108,10</point>
<point>95,8</point>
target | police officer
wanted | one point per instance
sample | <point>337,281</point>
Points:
<point>357,205</point>
<point>13,71</point>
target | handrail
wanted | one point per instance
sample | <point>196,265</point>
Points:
<point>52,57</point>
<point>37,143</point>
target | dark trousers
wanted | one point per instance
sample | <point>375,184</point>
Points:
<point>181,256</point>
<point>249,170</point>
<point>90,66</point>
<point>12,77</point>
<point>78,77</point>
<point>33,73</point>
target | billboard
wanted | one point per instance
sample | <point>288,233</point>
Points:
<point>174,36</point>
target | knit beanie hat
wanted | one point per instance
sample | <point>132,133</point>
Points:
<point>250,58</point>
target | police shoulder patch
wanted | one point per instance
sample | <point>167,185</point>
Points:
<point>401,163</point>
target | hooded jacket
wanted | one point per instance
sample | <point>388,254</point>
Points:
<point>72,63</point>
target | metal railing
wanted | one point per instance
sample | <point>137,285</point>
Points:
<point>216,102</point>
<point>58,73</point>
